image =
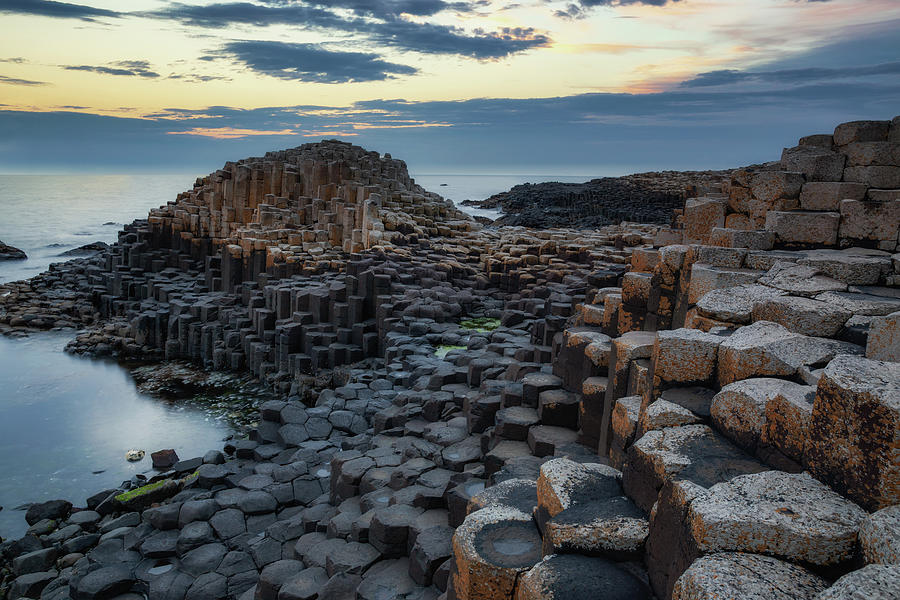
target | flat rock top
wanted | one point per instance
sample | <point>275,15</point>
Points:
<point>564,576</point>
<point>748,577</point>
<point>790,515</point>
<point>864,376</point>
<point>872,582</point>
<point>696,453</point>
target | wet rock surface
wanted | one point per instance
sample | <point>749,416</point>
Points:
<point>10,253</point>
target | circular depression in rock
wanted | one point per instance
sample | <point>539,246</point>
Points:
<point>512,545</point>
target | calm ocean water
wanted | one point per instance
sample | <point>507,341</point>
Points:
<point>45,215</point>
<point>66,423</point>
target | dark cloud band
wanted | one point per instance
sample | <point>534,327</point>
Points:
<point>311,62</point>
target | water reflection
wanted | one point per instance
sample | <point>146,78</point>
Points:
<point>62,418</point>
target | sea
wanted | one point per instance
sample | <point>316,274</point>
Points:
<point>66,422</point>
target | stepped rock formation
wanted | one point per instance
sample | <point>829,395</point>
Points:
<point>704,410</point>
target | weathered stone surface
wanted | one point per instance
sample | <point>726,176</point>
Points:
<point>879,536</point>
<point>387,580</point>
<point>786,425</point>
<point>520,494</point>
<point>800,280</point>
<point>816,163</point>
<point>827,195</point>
<point>804,228</point>
<point>866,220</point>
<point>739,410</point>
<point>855,429</point>
<point>684,356</point>
<point>700,216</point>
<point>305,585</point>
<point>735,304</point>
<point>766,349</point>
<point>105,582</point>
<point>746,576</point>
<point>883,341</point>
<point>613,527</point>
<point>706,278</point>
<point>852,266</point>
<point>861,131</point>
<point>792,516</point>
<point>878,176</point>
<point>872,582</point>
<point>573,576</point>
<point>564,483</point>
<point>491,549</point>
<point>663,413</point>
<point>691,452</point>
<point>802,315</point>
<point>10,253</point>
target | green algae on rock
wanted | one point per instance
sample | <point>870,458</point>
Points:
<point>443,351</point>
<point>482,324</point>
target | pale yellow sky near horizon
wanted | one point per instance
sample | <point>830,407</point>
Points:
<point>633,48</point>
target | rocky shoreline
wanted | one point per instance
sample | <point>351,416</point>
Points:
<point>641,197</point>
<point>707,409</point>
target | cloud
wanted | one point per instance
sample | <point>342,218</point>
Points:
<point>387,28</point>
<point>789,76</point>
<point>589,134</point>
<point>129,68</point>
<point>228,133</point>
<point>195,78</point>
<point>383,8</point>
<point>312,62</point>
<point>15,81</point>
<point>60,10</point>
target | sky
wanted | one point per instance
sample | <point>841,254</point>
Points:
<point>580,87</point>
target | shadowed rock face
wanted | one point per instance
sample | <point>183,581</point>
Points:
<point>10,253</point>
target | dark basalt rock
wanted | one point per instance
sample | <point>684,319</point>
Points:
<point>11,253</point>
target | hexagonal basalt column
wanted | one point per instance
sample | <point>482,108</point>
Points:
<point>490,549</point>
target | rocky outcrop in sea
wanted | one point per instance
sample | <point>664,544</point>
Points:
<point>707,409</point>
<point>10,253</point>
<point>642,198</point>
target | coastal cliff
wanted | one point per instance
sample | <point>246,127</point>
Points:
<point>698,409</point>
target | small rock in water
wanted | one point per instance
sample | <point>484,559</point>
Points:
<point>10,253</point>
<point>87,249</point>
<point>134,455</point>
<point>163,459</point>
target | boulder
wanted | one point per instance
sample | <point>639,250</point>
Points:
<point>691,452</point>
<point>766,349</point>
<point>790,516</point>
<point>735,304</point>
<point>684,356</point>
<point>804,228</point>
<point>872,582</point>
<point>10,253</point>
<point>854,430</point>
<point>827,195</point>
<point>739,410</point>
<point>748,577</point>
<point>879,536</point>
<point>562,577</point>
<point>491,549</point>
<point>883,341</point>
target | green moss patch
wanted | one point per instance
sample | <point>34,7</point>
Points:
<point>482,324</point>
<point>144,489</point>
<point>442,351</point>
